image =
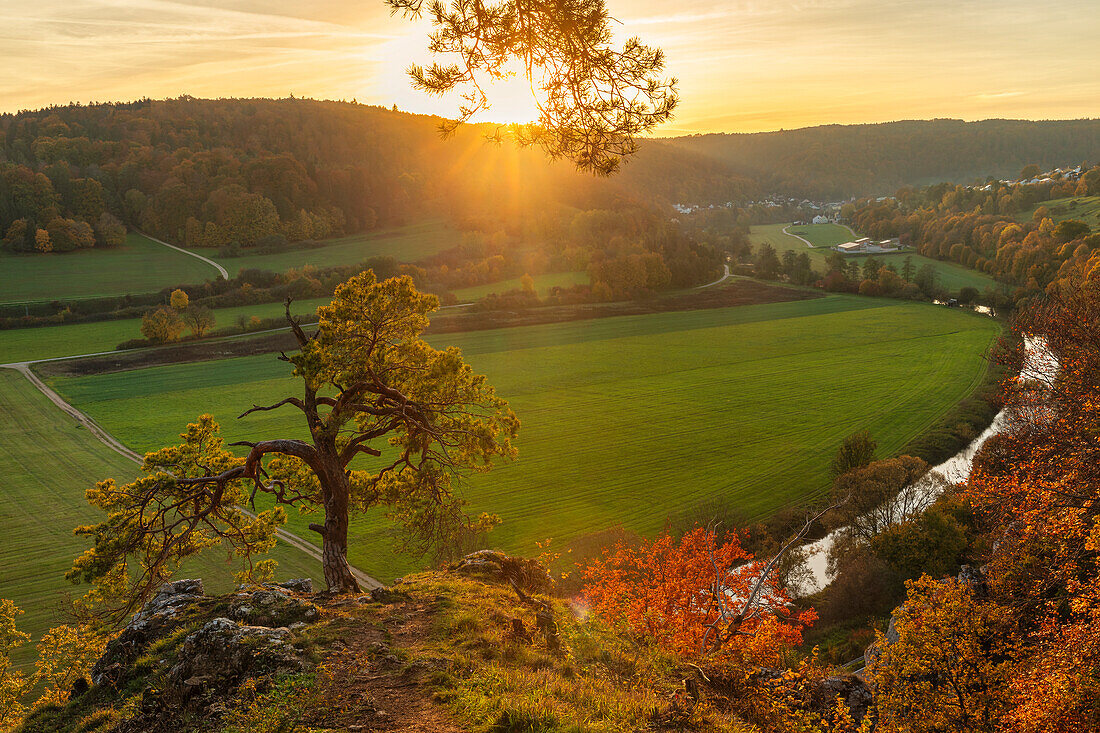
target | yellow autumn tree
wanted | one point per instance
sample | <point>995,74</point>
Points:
<point>13,683</point>
<point>949,667</point>
<point>179,300</point>
<point>42,241</point>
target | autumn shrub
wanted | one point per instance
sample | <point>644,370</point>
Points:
<point>700,596</point>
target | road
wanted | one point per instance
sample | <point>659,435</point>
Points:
<point>119,447</point>
<point>803,239</point>
<point>224,273</point>
<point>728,274</point>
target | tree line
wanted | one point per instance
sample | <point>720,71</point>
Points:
<point>982,227</point>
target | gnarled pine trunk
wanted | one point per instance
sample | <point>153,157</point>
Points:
<point>334,532</point>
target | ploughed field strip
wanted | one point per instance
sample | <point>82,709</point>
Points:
<point>628,420</point>
<point>47,463</point>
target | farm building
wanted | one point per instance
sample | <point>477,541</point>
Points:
<point>865,245</point>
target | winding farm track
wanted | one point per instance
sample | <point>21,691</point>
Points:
<point>721,279</point>
<point>119,447</point>
<point>807,242</point>
<point>224,273</point>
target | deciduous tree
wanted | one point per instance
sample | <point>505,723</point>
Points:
<point>948,668</point>
<point>700,596</point>
<point>161,325</point>
<point>199,319</point>
<point>857,450</point>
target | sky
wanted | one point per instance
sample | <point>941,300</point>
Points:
<point>743,65</point>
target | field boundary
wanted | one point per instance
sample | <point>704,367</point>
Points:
<point>119,447</point>
<point>207,260</point>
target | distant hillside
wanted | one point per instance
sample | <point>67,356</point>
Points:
<point>838,161</point>
<point>216,172</point>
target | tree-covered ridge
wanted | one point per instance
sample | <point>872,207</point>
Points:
<point>212,173</point>
<point>988,228</point>
<point>839,161</point>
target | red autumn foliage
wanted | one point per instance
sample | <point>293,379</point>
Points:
<point>681,594</point>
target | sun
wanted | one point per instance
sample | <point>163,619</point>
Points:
<point>511,100</point>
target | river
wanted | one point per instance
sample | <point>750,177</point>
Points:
<point>1041,366</point>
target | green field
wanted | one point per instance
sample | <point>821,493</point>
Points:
<point>141,266</point>
<point>822,235</point>
<point>47,462</point>
<point>406,244</point>
<point>543,283</point>
<point>1082,208</point>
<point>631,419</point>
<point>773,234</point>
<point>951,276</point>
<point>29,344</point>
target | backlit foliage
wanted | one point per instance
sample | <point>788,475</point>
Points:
<point>695,597</point>
<point>155,523</point>
<point>65,654</point>
<point>949,667</point>
<point>1026,659</point>
<point>593,99</point>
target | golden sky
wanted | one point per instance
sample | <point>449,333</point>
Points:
<point>743,65</point>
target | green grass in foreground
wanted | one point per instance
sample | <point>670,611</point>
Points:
<point>543,283</point>
<point>632,419</point>
<point>951,276</point>
<point>406,244</point>
<point>48,342</point>
<point>1082,208</point>
<point>47,462</point>
<point>140,266</point>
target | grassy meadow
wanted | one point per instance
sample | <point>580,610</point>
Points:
<point>543,283</point>
<point>951,276</point>
<point>1082,208</point>
<point>140,266</point>
<point>47,462</point>
<point>29,344</point>
<point>822,235</point>
<point>628,420</point>
<point>406,244</point>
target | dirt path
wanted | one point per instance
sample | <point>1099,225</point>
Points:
<point>721,279</point>
<point>224,273</point>
<point>377,689</point>
<point>119,447</point>
<point>803,239</point>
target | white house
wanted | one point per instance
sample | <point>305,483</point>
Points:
<point>819,219</point>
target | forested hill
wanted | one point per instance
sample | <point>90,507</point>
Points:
<point>839,161</point>
<point>227,172</point>
<point>215,172</point>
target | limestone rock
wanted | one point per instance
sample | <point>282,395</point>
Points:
<point>527,574</point>
<point>271,607</point>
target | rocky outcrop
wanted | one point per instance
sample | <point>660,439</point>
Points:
<point>527,575</point>
<point>272,606</point>
<point>198,649</point>
<point>819,696</point>
<point>167,609</point>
